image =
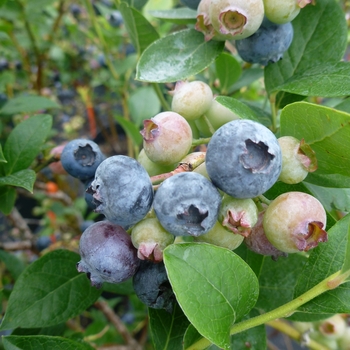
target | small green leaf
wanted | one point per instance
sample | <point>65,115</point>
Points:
<point>325,129</point>
<point>48,292</point>
<point>2,157</point>
<point>13,263</point>
<point>23,178</point>
<point>27,104</point>
<point>177,56</point>
<point>237,107</point>
<point>7,199</point>
<point>130,129</point>
<point>228,71</point>
<point>329,180</point>
<point>124,288</point>
<point>181,15</point>
<point>140,31</point>
<point>42,342</point>
<point>248,77</point>
<point>213,286</point>
<point>320,37</point>
<point>167,329</point>
<point>25,141</point>
<point>143,104</point>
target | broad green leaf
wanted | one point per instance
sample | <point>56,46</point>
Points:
<point>13,263</point>
<point>329,180</point>
<point>130,129</point>
<point>228,71</point>
<point>323,80</point>
<point>143,104</point>
<point>248,77</point>
<point>137,4</point>
<point>320,36</point>
<point>325,129</point>
<point>140,31</point>
<point>7,199</point>
<point>2,157</point>
<point>238,107</point>
<point>23,178</point>
<point>177,56</point>
<point>25,141</point>
<point>181,15</point>
<point>324,260</point>
<point>27,104</point>
<point>42,342</point>
<point>124,288</point>
<point>48,292</point>
<point>167,329</point>
<point>213,286</point>
<point>56,330</point>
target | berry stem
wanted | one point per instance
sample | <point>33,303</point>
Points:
<point>160,95</point>
<point>201,141</point>
<point>282,311</point>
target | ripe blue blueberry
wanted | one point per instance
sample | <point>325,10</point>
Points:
<point>267,44</point>
<point>243,158</point>
<point>152,287</point>
<point>80,158</point>
<point>187,204</point>
<point>122,190</point>
<point>107,254</point>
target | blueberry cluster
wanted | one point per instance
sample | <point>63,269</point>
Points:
<point>213,196</point>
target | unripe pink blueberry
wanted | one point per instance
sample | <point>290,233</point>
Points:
<point>236,19</point>
<point>150,239</point>
<point>294,222</point>
<point>221,237</point>
<point>57,167</point>
<point>294,161</point>
<point>238,215</point>
<point>191,99</point>
<point>167,138</point>
<point>218,114</point>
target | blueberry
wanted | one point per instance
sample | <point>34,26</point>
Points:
<point>80,158</point>
<point>4,64</point>
<point>43,242</point>
<point>152,287</point>
<point>187,204</point>
<point>89,199</point>
<point>75,10</point>
<point>122,190</point>
<point>267,44</point>
<point>107,254</point>
<point>115,19</point>
<point>192,4</point>
<point>243,158</point>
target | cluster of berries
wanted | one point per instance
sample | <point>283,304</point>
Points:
<point>261,29</point>
<point>212,196</point>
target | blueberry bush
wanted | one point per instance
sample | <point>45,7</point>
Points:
<point>174,174</point>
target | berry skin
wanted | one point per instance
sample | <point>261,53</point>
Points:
<point>294,161</point>
<point>107,254</point>
<point>267,44</point>
<point>187,204</point>
<point>333,327</point>
<point>243,158</point>
<point>192,4</point>
<point>122,190</point>
<point>191,99</point>
<point>150,239</point>
<point>80,158</point>
<point>294,222</point>
<point>56,167</point>
<point>236,19</point>
<point>115,19</point>
<point>167,138</point>
<point>152,287</point>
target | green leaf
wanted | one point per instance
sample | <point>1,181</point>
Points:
<point>182,15</point>
<point>248,77</point>
<point>228,71</point>
<point>7,199</point>
<point>27,104</point>
<point>323,80</point>
<point>167,329</point>
<point>48,292</point>
<point>137,4</point>
<point>213,286</point>
<point>329,180</point>
<point>177,56</point>
<point>324,260</point>
<point>42,342</point>
<point>2,157</point>
<point>237,107</point>
<point>325,129</point>
<point>13,263</point>
<point>320,36</point>
<point>140,31</point>
<point>143,104</point>
<point>23,178</point>
<point>25,141</point>
<point>123,288</point>
<point>130,129</point>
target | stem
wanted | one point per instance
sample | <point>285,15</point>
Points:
<point>282,311</point>
<point>197,142</point>
<point>273,112</point>
<point>160,95</point>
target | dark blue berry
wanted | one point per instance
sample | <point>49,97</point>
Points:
<point>115,19</point>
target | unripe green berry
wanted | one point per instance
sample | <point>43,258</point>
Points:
<point>333,327</point>
<point>153,168</point>
<point>219,115</point>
